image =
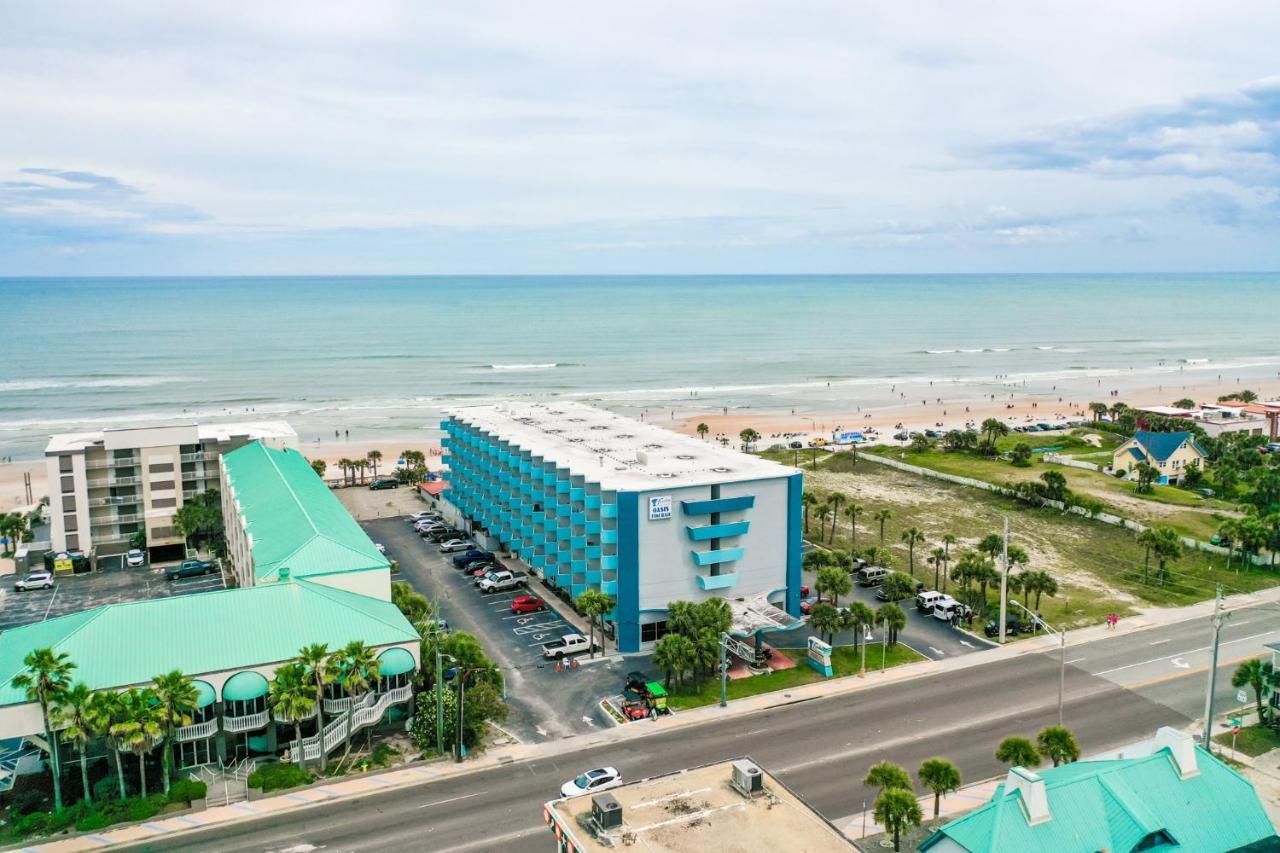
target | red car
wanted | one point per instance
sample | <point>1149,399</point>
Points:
<point>527,604</point>
<point>481,571</point>
<point>806,606</point>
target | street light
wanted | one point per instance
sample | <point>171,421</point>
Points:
<point>1062,655</point>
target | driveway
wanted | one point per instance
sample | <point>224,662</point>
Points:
<point>545,704</point>
<point>934,639</point>
<point>73,593</point>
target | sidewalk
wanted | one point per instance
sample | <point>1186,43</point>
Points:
<point>708,713</point>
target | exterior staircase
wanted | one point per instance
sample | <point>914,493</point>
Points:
<point>227,784</point>
<point>367,712</point>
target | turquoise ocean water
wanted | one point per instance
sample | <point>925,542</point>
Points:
<point>380,356</point>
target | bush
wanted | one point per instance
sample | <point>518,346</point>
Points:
<point>34,823</point>
<point>94,820</point>
<point>106,789</point>
<point>274,777</point>
<point>186,790</point>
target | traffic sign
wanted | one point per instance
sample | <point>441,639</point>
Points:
<point>1242,697</point>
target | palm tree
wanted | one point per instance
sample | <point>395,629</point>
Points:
<point>139,727</point>
<point>807,500</point>
<point>897,809</point>
<point>74,716</point>
<point>345,464</point>
<point>594,604</point>
<point>993,428</point>
<point>947,541</point>
<point>938,559</point>
<point>45,676</point>
<point>1044,585</point>
<point>823,512</point>
<point>885,775</point>
<point>1018,752</point>
<point>834,582</point>
<point>1058,745</point>
<point>374,457</point>
<point>913,537</point>
<point>682,618</point>
<point>749,437</point>
<point>881,516</point>
<point>673,654</point>
<point>893,620</point>
<point>826,620</point>
<point>105,711</point>
<point>835,499</point>
<point>853,510</point>
<point>703,429</point>
<point>940,776</point>
<point>1255,674</point>
<point>178,697</point>
<point>321,670</point>
<point>860,617</point>
<point>359,669</point>
<point>1098,410</point>
<point>1168,547</point>
<point>293,697</point>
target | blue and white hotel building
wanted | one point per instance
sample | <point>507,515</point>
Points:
<point>592,500</point>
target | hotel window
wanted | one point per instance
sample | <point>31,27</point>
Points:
<point>70,523</point>
<point>651,632</point>
<point>162,485</point>
<point>68,484</point>
<point>69,503</point>
<point>161,468</point>
<point>73,542</point>
<point>64,464</point>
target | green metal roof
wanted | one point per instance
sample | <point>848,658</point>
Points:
<point>126,644</point>
<point>244,686</point>
<point>1114,804</point>
<point>293,517</point>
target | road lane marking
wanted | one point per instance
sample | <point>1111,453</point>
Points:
<point>452,800</point>
<point>1074,660</point>
<point>1180,663</point>
<point>1179,654</point>
<point>51,598</point>
<point>1160,642</point>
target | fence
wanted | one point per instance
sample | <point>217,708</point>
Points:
<point>1104,517</point>
<point>1067,461</point>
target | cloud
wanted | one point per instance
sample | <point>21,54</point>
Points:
<point>1232,135</point>
<point>1214,208</point>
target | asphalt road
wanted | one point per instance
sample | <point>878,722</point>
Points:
<point>821,748</point>
<point>545,704</point>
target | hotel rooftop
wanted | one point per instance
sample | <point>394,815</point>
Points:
<point>618,452</point>
<point>71,442</point>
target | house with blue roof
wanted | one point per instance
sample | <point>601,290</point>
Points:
<point>1163,794</point>
<point>1170,453</point>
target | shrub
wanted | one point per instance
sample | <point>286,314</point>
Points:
<point>35,823</point>
<point>142,809</point>
<point>94,820</point>
<point>186,790</point>
<point>274,777</point>
<point>106,789</point>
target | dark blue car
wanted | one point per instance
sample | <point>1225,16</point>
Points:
<point>473,554</point>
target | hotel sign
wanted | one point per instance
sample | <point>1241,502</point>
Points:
<point>659,507</point>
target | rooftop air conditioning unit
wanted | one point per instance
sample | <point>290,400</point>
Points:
<point>747,778</point>
<point>606,811</point>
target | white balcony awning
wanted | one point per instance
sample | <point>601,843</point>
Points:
<point>756,615</point>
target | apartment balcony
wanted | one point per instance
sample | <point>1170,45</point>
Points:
<point>108,482</point>
<point>198,456</point>
<point>112,521</point>
<point>608,510</point>
<point>609,537</point>
<point>592,501</point>
<point>199,474</point>
<point>116,500</point>
<point>195,731</point>
<point>113,462</point>
<point>247,723</point>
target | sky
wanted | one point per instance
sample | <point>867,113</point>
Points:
<point>724,136</point>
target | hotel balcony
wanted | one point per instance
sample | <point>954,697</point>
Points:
<point>196,731</point>
<point>111,521</point>
<point>115,500</point>
<point>247,723</point>
<point>199,456</point>
<point>113,462</point>
<point>108,482</point>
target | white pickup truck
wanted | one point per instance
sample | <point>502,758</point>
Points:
<point>569,644</point>
<point>503,581</point>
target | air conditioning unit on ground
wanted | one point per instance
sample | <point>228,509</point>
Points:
<point>606,811</point>
<point>747,778</point>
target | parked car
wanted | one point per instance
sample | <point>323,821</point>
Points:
<point>926,600</point>
<point>591,782</point>
<point>872,576</point>
<point>382,549</point>
<point>441,534</point>
<point>807,605</point>
<point>527,604</point>
<point>453,546</point>
<point>569,644</point>
<point>796,445</point>
<point>384,483</point>
<point>1012,625</point>
<point>190,569</point>
<point>948,607</point>
<point>481,564</point>
<point>479,573</point>
<point>428,524</point>
<point>503,581</point>
<point>34,580</point>
<point>135,558</point>
<point>470,555</point>
<point>415,517</point>
<point>900,436</point>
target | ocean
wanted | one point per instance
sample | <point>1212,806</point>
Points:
<point>380,357</point>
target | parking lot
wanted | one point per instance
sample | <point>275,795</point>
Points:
<point>545,704</point>
<point>73,593</point>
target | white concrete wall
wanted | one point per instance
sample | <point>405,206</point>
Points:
<point>667,570</point>
<point>375,583</point>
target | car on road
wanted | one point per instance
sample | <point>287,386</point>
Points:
<point>472,554</point>
<point>135,558</point>
<point>569,644</point>
<point>591,782</point>
<point>384,483</point>
<point>527,604</point>
<point>452,546</point>
<point>34,580</point>
<point>190,569</point>
<point>502,581</point>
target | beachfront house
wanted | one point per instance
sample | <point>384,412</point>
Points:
<point>1170,453</point>
<point>1163,794</point>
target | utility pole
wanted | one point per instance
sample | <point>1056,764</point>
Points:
<point>439,701</point>
<point>1218,618</point>
<point>724,671</point>
<point>1004,577</point>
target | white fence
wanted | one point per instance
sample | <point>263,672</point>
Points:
<point>1105,517</point>
<point>1067,461</point>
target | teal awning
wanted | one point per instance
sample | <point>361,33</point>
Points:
<point>396,661</point>
<point>205,693</point>
<point>244,686</point>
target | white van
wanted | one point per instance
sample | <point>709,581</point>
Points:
<point>946,607</point>
<point>872,576</point>
<point>926,600</point>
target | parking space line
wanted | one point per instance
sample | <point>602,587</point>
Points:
<point>50,607</point>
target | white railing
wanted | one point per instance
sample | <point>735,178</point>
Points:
<point>115,500</point>
<point>337,706</point>
<point>368,712</point>
<point>193,457</point>
<point>114,481</point>
<point>112,462</point>
<point>247,723</point>
<point>123,518</point>
<point>195,731</point>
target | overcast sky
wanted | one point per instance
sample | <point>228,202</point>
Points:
<point>714,136</point>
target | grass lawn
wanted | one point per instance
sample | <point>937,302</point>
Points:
<point>1183,511</point>
<point>1252,740</point>
<point>844,661</point>
<point>1098,567</point>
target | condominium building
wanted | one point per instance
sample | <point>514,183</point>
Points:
<point>592,500</point>
<point>105,486</point>
<point>281,520</point>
